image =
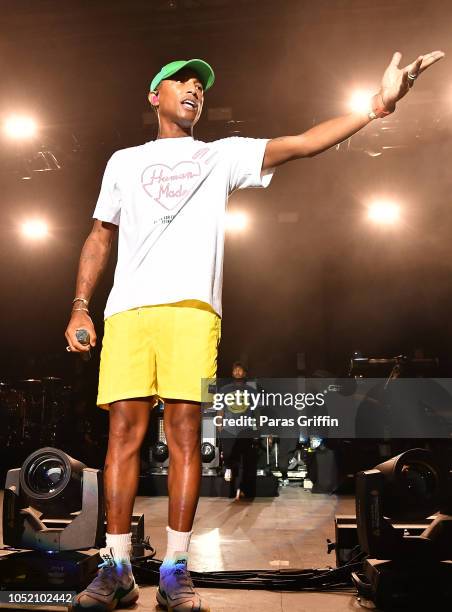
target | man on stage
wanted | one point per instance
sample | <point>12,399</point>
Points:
<point>166,199</point>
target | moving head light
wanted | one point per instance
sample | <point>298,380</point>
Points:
<point>405,570</point>
<point>207,452</point>
<point>51,481</point>
<point>53,503</point>
<point>160,452</point>
<point>410,487</point>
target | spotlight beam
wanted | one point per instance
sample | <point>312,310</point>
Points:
<point>20,127</point>
<point>360,101</point>
<point>236,221</point>
<point>384,212</point>
<point>35,229</point>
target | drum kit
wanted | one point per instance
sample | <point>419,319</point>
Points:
<point>32,412</point>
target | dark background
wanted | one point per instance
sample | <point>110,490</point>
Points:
<point>325,285</point>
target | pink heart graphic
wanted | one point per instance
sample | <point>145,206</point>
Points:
<point>170,186</point>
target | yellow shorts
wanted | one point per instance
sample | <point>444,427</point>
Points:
<point>162,350</point>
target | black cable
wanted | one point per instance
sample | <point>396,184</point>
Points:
<point>147,546</point>
<point>147,571</point>
<point>325,579</point>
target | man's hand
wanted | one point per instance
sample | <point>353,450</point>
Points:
<point>396,82</point>
<point>394,86</point>
<point>80,320</point>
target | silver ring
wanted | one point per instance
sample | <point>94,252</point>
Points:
<point>412,77</point>
<point>68,348</point>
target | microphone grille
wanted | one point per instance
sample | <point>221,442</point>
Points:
<point>82,336</point>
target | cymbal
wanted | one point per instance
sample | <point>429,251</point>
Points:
<point>30,385</point>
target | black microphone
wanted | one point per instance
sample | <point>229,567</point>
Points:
<point>82,336</point>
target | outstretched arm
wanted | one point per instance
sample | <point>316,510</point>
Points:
<point>395,84</point>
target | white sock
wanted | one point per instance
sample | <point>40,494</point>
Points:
<point>178,541</point>
<point>121,543</point>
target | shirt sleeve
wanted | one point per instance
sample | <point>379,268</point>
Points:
<point>108,207</point>
<point>246,156</point>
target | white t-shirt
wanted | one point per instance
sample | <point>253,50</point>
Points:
<point>169,197</point>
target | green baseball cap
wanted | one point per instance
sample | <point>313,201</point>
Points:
<point>202,68</point>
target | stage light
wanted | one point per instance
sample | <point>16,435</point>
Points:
<point>160,452</point>
<point>207,452</point>
<point>236,221</point>
<point>20,127</point>
<point>50,480</point>
<point>35,229</point>
<point>414,484</point>
<point>393,499</point>
<point>52,503</point>
<point>315,442</point>
<point>384,212</point>
<point>360,101</point>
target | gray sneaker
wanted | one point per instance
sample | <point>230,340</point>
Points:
<point>114,586</point>
<point>176,592</point>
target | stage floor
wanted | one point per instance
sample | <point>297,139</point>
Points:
<point>288,531</point>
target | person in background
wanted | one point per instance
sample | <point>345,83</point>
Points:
<point>238,443</point>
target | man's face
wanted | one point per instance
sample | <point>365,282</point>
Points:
<point>180,98</point>
<point>238,372</point>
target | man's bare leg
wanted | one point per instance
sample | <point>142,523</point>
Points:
<point>182,421</point>
<point>114,583</point>
<point>129,421</point>
<point>182,428</point>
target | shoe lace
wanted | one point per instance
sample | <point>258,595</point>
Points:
<point>104,576</point>
<point>107,561</point>
<point>180,569</point>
